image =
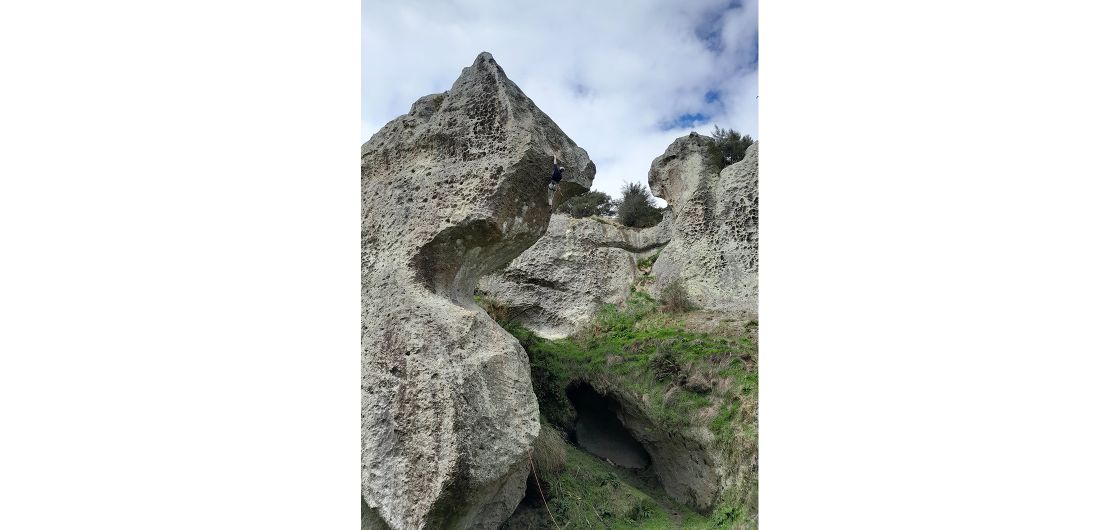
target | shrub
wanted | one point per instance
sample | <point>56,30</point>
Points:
<point>588,204</point>
<point>729,147</point>
<point>664,363</point>
<point>674,297</point>
<point>636,208</point>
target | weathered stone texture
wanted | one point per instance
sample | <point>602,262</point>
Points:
<point>558,285</point>
<point>714,243</point>
<point>451,191</point>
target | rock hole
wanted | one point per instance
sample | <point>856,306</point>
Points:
<point>599,431</point>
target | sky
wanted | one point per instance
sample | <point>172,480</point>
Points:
<point>622,78</point>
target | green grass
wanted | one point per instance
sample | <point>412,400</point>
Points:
<point>587,493</point>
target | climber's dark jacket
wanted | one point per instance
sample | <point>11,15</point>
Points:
<point>556,173</point>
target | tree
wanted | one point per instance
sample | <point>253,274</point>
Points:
<point>636,207</point>
<point>729,146</point>
<point>588,204</point>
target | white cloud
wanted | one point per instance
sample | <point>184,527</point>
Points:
<point>612,74</point>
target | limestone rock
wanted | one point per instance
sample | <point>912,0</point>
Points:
<point>557,285</point>
<point>714,246</point>
<point>451,191</point>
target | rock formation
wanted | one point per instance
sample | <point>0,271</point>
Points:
<point>714,243</point>
<point>451,191</point>
<point>558,284</point>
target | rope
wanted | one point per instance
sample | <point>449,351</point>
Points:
<point>533,468</point>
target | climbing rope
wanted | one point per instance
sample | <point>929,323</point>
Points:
<point>533,468</point>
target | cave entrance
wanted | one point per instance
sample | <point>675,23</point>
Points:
<point>599,431</point>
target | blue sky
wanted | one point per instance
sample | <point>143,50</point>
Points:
<point>622,78</point>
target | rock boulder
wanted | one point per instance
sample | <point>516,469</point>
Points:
<point>714,243</point>
<point>557,285</point>
<point>451,191</point>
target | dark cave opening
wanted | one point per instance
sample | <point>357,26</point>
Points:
<point>599,431</point>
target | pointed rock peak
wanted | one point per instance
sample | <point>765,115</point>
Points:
<point>485,63</point>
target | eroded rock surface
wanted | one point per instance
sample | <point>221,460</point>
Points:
<point>557,285</point>
<point>714,243</point>
<point>451,191</point>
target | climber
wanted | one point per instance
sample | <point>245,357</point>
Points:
<point>557,174</point>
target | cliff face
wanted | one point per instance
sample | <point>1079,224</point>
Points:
<point>714,241</point>
<point>451,191</point>
<point>557,285</point>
